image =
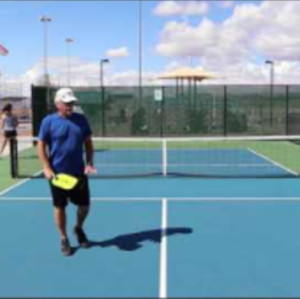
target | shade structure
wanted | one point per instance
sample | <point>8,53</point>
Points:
<point>197,74</point>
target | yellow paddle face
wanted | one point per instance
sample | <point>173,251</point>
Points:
<point>64,181</point>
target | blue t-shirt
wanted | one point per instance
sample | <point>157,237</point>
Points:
<point>65,138</point>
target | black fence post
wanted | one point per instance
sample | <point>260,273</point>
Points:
<point>287,100</point>
<point>162,112</point>
<point>39,107</point>
<point>225,112</point>
<point>102,111</point>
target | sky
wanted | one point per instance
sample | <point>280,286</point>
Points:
<point>231,39</point>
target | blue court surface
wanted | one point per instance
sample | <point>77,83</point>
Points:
<point>156,237</point>
<point>212,162</point>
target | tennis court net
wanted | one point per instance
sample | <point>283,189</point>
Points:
<point>216,157</point>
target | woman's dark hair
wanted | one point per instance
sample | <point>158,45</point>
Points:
<point>7,107</point>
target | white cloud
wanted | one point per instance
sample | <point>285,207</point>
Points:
<point>119,52</point>
<point>254,32</point>
<point>226,4</point>
<point>181,39</point>
<point>184,8</point>
<point>195,8</point>
<point>131,78</point>
<point>83,73</point>
<point>209,39</point>
<point>235,49</point>
<point>87,74</point>
<point>167,8</point>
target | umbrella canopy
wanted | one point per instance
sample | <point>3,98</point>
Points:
<point>187,73</point>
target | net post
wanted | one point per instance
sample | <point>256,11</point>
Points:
<point>13,149</point>
<point>164,157</point>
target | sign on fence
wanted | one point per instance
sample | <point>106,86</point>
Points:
<point>158,94</point>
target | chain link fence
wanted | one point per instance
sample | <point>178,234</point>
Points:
<point>164,111</point>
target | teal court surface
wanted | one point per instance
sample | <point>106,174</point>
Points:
<point>156,237</point>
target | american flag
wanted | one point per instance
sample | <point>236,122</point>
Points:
<point>3,51</point>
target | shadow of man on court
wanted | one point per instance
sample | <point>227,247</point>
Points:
<point>131,242</point>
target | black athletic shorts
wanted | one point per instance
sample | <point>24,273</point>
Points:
<point>10,134</point>
<point>79,196</point>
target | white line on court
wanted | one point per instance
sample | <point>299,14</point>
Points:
<point>163,251</point>
<point>272,161</point>
<point>17,184</point>
<point>13,187</point>
<point>207,198</point>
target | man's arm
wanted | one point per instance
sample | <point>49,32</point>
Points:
<point>45,160</point>
<point>89,148</point>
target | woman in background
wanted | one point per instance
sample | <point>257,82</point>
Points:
<point>8,123</point>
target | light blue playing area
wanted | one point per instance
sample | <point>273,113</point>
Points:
<point>218,238</point>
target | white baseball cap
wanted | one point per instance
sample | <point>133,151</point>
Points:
<point>65,95</point>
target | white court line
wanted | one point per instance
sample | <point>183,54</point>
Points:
<point>207,198</point>
<point>163,251</point>
<point>18,184</point>
<point>14,186</point>
<point>273,162</point>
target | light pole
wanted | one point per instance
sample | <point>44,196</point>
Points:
<point>102,61</point>
<point>45,19</point>
<point>68,43</point>
<point>271,63</point>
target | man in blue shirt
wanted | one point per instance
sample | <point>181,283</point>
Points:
<point>65,133</point>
